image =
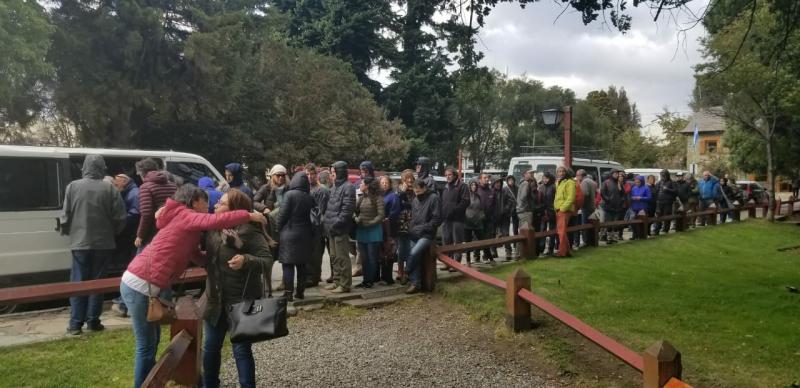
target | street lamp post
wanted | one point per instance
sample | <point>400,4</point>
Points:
<point>551,118</point>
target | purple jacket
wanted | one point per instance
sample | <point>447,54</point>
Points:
<point>640,196</point>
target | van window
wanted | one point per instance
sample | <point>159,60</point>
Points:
<point>519,169</point>
<point>190,172</point>
<point>604,171</point>
<point>114,165</point>
<point>29,184</point>
<point>542,168</point>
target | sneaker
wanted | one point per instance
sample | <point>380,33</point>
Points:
<point>95,328</point>
<point>118,311</point>
<point>74,331</point>
<point>413,289</point>
<point>340,290</point>
<point>331,287</point>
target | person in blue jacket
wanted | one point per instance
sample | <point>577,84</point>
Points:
<point>214,195</point>
<point>640,200</point>
<point>708,187</point>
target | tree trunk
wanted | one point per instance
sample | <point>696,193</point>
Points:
<point>770,181</point>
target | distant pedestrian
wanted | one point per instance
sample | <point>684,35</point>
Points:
<point>565,207</point>
<point>486,193</point>
<point>504,206</point>
<point>666,192</point>
<point>125,249</point>
<point>321,194</point>
<point>526,197</point>
<point>474,219</point>
<point>589,191</point>
<point>392,208</point>
<point>234,174</point>
<point>338,224</point>
<point>640,199</point>
<point>455,200</point>
<point>406,196</point>
<point>513,189</point>
<point>153,194</point>
<point>613,194</point>
<point>709,189</point>
<point>93,214</point>
<point>426,218</point>
<point>547,190</point>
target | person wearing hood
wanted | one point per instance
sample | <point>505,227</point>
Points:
<point>338,222</point>
<point>666,192</point>
<point>93,214</point>
<point>153,193</point>
<point>504,205</point>
<point>214,195</point>
<point>125,250</point>
<point>455,199</point>
<point>564,204</point>
<point>486,194</point>
<point>234,174</point>
<point>369,215</point>
<point>548,219</point>
<point>640,199</point>
<point>181,223</point>
<point>296,234</point>
<point>367,169</point>
<point>237,259</point>
<point>425,220</point>
<point>424,165</point>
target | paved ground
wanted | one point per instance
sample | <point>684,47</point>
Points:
<point>421,342</point>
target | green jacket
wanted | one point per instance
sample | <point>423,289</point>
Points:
<point>225,286</point>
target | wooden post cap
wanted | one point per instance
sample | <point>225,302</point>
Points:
<point>661,363</point>
<point>520,274</point>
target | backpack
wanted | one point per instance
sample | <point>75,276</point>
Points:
<point>578,196</point>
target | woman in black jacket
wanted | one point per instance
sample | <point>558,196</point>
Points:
<point>237,259</point>
<point>296,234</point>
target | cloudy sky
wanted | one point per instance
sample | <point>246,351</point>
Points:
<point>653,62</point>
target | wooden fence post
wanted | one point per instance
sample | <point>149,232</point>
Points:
<point>712,218</point>
<point>518,310</point>
<point>751,211</point>
<point>189,318</point>
<point>680,222</point>
<point>641,228</point>
<point>528,251</point>
<point>661,363</point>
<point>595,231</point>
<point>429,269</point>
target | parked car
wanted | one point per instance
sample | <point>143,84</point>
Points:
<point>542,164</point>
<point>753,190</point>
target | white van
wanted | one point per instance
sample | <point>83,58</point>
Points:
<point>32,183</point>
<point>541,164</point>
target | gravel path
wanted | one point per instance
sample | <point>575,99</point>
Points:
<point>416,343</point>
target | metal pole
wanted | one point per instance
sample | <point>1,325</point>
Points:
<point>568,136</point>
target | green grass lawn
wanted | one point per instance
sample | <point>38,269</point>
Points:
<point>96,360</point>
<point>717,294</point>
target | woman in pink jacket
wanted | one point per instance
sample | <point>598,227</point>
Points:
<point>180,222</point>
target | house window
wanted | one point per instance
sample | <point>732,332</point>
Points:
<point>711,146</point>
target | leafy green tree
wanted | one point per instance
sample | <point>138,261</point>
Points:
<point>672,153</point>
<point>24,71</point>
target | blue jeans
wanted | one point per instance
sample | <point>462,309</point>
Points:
<point>414,265</point>
<point>87,265</point>
<point>288,277</point>
<point>147,334</point>
<point>212,355</point>
<point>403,249</point>
<point>369,251</point>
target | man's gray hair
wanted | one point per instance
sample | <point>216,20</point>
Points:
<point>581,173</point>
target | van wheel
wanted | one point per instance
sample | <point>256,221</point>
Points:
<point>8,308</point>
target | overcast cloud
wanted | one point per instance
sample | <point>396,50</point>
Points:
<point>652,62</point>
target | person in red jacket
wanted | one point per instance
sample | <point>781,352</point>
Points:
<point>181,222</point>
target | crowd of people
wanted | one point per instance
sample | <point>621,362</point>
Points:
<point>238,234</point>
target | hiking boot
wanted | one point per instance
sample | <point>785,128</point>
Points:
<point>95,328</point>
<point>413,289</point>
<point>340,290</point>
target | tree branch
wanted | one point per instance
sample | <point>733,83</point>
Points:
<point>744,39</point>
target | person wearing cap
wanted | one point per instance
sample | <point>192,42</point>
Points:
<point>424,165</point>
<point>270,194</point>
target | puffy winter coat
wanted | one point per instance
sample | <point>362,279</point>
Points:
<point>613,197</point>
<point>178,241</point>
<point>425,216</point>
<point>153,193</point>
<point>341,205</point>
<point>455,199</point>
<point>294,222</point>
<point>708,188</point>
<point>640,196</point>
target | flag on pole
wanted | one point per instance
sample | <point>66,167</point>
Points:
<point>696,136</point>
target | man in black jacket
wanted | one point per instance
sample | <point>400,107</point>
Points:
<point>455,199</point>
<point>666,192</point>
<point>338,221</point>
<point>425,219</point>
<point>613,203</point>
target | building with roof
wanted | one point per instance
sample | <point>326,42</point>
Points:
<point>706,147</point>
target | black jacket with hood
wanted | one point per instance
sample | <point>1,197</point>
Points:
<point>666,189</point>
<point>426,216</point>
<point>294,222</point>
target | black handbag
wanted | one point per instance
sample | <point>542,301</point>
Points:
<point>256,320</point>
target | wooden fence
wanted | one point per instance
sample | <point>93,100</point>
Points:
<point>660,364</point>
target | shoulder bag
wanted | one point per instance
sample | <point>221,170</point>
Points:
<point>159,310</point>
<point>256,320</point>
